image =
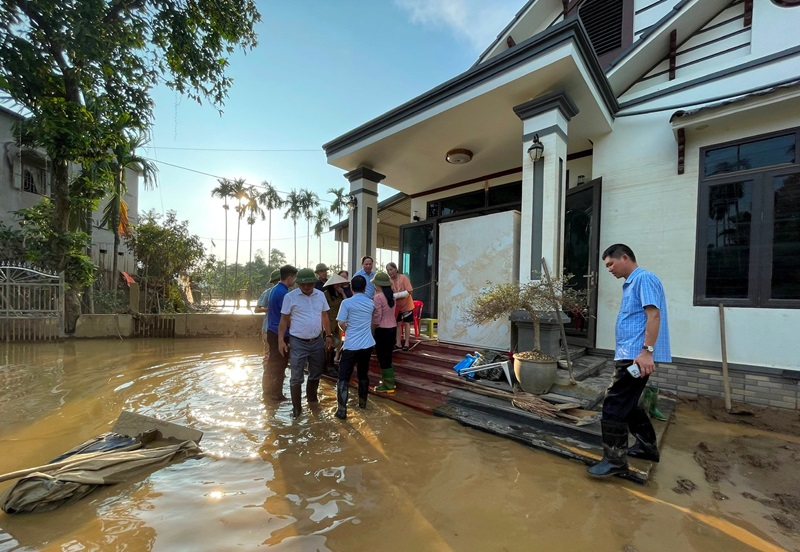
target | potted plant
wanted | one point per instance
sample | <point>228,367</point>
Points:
<point>535,370</point>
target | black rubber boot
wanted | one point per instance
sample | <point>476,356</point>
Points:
<point>311,391</point>
<point>266,385</point>
<point>615,449</point>
<point>297,394</point>
<point>342,389</point>
<point>276,386</point>
<point>641,428</point>
<point>363,392</point>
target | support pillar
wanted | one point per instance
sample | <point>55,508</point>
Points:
<point>543,184</point>
<point>362,230</point>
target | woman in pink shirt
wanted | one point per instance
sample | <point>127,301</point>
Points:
<point>401,286</point>
<point>385,329</point>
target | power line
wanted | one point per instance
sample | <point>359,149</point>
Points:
<point>317,150</point>
<point>219,177</point>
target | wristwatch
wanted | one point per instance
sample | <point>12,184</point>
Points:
<point>648,348</point>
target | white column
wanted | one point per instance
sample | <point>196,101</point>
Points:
<point>362,231</point>
<point>543,184</point>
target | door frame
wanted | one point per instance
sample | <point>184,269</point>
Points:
<point>596,186</point>
<point>430,305</point>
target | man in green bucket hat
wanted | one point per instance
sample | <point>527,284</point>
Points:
<point>304,318</point>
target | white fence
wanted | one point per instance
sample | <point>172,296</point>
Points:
<point>31,304</point>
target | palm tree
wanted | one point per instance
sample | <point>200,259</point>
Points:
<point>253,209</point>
<point>115,215</point>
<point>269,200</point>
<point>224,191</point>
<point>293,210</point>
<point>239,188</point>
<point>308,202</point>
<point>339,208</point>
<point>322,224</point>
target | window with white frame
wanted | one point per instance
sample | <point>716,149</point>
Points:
<point>748,223</point>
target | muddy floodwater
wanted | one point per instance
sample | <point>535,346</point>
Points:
<point>388,478</point>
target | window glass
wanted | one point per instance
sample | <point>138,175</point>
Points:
<point>751,155</point>
<point>786,237</point>
<point>507,193</point>
<point>465,202</point>
<point>727,239</point>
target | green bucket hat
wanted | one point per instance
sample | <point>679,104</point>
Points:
<point>306,276</point>
<point>275,276</point>
<point>382,279</point>
<point>321,267</point>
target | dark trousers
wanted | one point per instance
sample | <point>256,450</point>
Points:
<point>384,346</point>
<point>275,373</point>
<point>621,403</point>
<point>359,359</point>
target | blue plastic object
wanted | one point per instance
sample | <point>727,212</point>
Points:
<point>468,361</point>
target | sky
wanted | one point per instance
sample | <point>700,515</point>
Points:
<point>321,69</point>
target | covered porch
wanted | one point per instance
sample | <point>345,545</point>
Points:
<point>512,134</point>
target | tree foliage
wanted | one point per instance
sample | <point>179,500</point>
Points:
<point>164,250</point>
<point>84,69</point>
<point>35,242</point>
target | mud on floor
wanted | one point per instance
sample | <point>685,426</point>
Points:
<point>764,467</point>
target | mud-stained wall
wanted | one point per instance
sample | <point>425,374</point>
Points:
<point>186,325</point>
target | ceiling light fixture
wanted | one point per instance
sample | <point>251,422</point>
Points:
<point>458,156</point>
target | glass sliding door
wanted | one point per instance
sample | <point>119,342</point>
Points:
<point>418,259</point>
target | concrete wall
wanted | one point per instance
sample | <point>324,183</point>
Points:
<point>647,205</point>
<point>186,325</point>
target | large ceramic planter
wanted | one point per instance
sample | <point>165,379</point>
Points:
<point>535,376</point>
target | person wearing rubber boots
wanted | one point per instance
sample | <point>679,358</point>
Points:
<point>355,320</point>
<point>305,316</point>
<point>262,306</point>
<point>275,373</point>
<point>642,338</point>
<point>385,329</point>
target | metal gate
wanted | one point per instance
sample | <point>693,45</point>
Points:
<point>31,304</point>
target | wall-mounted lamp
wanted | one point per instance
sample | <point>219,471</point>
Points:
<point>351,202</point>
<point>536,150</point>
<point>458,156</point>
<point>415,218</point>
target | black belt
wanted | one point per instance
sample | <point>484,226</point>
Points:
<point>312,340</point>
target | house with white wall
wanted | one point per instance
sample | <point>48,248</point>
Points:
<point>670,125</point>
<point>25,177</point>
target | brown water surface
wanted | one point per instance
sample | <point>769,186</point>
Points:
<point>389,478</point>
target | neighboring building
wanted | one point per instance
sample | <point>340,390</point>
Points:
<point>669,125</point>
<point>25,177</point>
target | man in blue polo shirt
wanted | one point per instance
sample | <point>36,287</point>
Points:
<point>642,338</point>
<point>261,306</point>
<point>355,320</point>
<point>367,264</point>
<point>272,380</point>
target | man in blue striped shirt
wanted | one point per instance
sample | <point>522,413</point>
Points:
<point>642,338</point>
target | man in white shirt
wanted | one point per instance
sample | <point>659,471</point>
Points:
<point>304,315</point>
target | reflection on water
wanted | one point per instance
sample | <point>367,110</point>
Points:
<point>388,478</point>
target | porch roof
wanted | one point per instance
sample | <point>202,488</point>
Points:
<point>393,212</point>
<point>475,111</point>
